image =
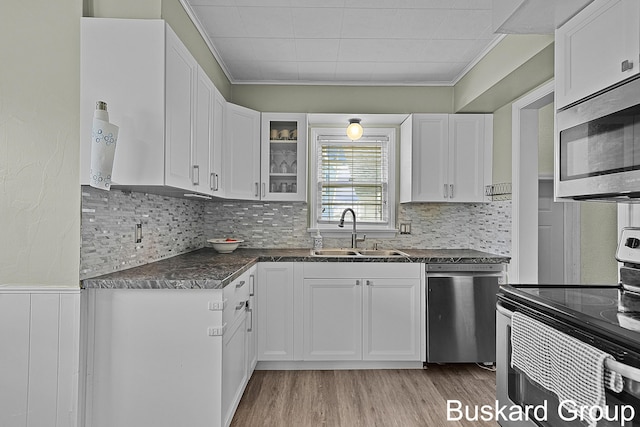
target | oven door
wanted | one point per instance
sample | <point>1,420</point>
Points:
<point>507,380</point>
<point>514,388</point>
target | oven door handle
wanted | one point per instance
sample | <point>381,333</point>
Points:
<point>500,309</point>
<point>626,371</point>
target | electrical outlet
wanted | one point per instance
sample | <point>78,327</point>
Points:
<point>405,228</point>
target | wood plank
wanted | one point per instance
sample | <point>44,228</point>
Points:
<point>353,398</point>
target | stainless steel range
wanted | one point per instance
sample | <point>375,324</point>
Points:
<point>584,320</point>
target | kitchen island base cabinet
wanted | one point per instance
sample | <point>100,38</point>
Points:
<point>367,312</point>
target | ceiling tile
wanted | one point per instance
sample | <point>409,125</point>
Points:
<point>267,21</point>
<point>319,3</point>
<point>279,70</point>
<point>354,71</point>
<point>274,49</point>
<point>367,23</point>
<point>417,23</point>
<point>466,24</point>
<point>265,3</point>
<point>317,22</point>
<point>312,50</point>
<point>317,71</point>
<point>212,2</point>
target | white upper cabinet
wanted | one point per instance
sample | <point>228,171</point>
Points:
<point>445,157</point>
<point>284,157</point>
<point>241,153</point>
<point>597,48</point>
<point>180,104</point>
<point>216,179</point>
<point>160,98</point>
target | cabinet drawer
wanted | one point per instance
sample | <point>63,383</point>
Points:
<point>235,296</point>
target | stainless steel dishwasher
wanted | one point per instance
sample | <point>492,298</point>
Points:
<point>461,306</point>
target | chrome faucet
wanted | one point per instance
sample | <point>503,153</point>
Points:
<point>354,233</point>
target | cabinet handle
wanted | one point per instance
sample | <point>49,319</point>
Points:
<point>626,65</point>
<point>250,311</point>
<point>451,186</point>
<point>241,284</point>
<point>196,175</point>
<point>257,194</point>
<point>217,182</point>
<point>252,285</point>
<point>445,193</point>
<point>357,282</point>
<point>368,282</point>
<point>211,179</point>
<point>241,305</point>
<point>263,189</point>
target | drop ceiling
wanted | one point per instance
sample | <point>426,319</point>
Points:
<point>361,42</point>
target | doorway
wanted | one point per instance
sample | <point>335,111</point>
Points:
<point>525,241</point>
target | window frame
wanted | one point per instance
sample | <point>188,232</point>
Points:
<point>331,229</point>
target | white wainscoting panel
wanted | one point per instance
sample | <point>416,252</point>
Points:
<point>39,356</point>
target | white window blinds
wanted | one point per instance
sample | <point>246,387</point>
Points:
<point>353,175</point>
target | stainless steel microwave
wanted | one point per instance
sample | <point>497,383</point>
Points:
<point>597,149</point>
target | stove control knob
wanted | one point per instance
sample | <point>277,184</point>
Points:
<point>632,242</point>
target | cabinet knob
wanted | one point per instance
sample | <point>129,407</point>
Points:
<point>626,65</point>
<point>357,282</point>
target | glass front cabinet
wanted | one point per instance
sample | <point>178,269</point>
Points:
<point>284,157</point>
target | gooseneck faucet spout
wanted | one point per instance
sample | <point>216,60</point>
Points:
<point>354,233</point>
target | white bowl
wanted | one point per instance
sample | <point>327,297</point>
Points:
<point>223,246</point>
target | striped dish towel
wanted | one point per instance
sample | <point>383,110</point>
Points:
<point>571,369</point>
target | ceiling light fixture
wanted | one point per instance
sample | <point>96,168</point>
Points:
<point>354,130</point>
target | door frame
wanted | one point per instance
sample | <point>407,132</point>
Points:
<point>524,163</point>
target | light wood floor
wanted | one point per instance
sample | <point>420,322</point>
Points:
<point>403,398</point>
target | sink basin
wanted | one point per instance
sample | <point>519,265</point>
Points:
<point>333,252</point>
<point>381,252</point>
<point>357,253</point>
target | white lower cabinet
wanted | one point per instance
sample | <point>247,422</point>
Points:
<point>166,357</point>
<point>365,311</point>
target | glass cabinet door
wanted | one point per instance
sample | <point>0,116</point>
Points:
<point>284,140</point>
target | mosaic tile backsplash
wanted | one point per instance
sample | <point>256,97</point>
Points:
<point>171,226</point>
<point>482,226</point>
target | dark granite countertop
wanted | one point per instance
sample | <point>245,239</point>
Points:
<point>207,269</point>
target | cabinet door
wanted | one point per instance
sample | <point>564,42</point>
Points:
<point>284,156</point>
<point>181,74</point>
<point>234,368</point>
<point>391,325</point>
<point>332,319</point>
<point>204,132</point>
<point>241,152</point>
<point>429,157</point>
<point>592,47</point>
<point>275,311</point>
<point>216,179</point>
<point>467,157</point>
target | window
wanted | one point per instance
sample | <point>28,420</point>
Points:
<point>353,174</point>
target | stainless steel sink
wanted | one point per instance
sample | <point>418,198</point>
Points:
<point>381,253</point>
<point>338,252</point>
<point>333,252</point>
